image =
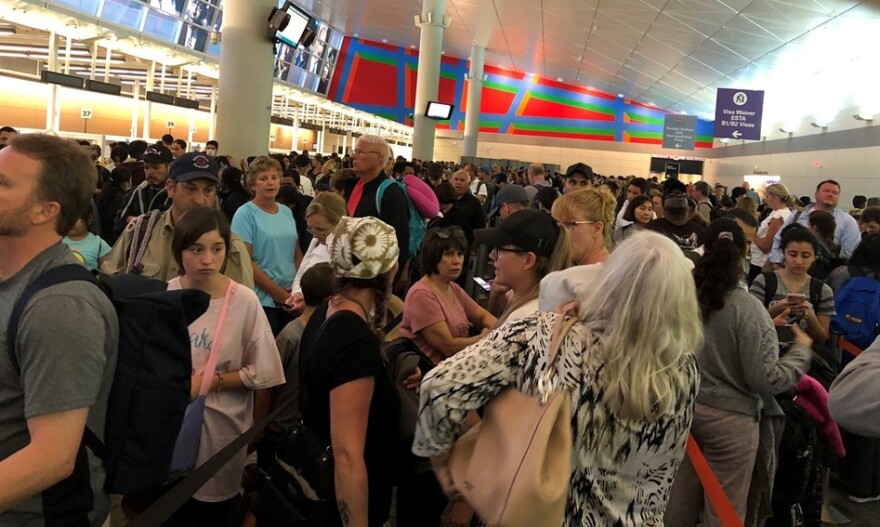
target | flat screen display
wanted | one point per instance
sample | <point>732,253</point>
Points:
<point>294,30</point>
<point>439,110</point>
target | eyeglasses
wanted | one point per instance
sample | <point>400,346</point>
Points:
<point>318,234</point>
<point>360,152</point>
<point>570,225</point>
<point>496,250</point>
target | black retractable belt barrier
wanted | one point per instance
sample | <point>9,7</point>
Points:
<point>168,504</point>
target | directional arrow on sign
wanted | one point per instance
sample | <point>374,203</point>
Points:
<point>736,134</point>
<point>677,145</point>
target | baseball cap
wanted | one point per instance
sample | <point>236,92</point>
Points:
<point>580,168</point>
<point>156,154</point>
<point>484,169</point>
<point>529,229</point>
<point>194,165</point>
<point>509,194</point>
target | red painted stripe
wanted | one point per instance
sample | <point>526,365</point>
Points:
<point>340,66</point>
<point>387,47</point>
<point>608,138</point>
<point>518,75</point>
<point>540,108</point>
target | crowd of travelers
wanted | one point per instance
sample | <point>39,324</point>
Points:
<point>361,320</point>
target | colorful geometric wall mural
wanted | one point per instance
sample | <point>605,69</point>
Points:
<point>381,79</point>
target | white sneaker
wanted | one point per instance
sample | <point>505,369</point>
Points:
<point>868,499</point>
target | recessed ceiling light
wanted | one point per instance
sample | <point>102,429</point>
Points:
<point>621,95</point>
<point>412,46</point>
<point>443,53</point>
<point>558,79</point>
<point>384,40</point>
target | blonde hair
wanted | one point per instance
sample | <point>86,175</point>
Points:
<point>558,260</point>
<point>259,165</point>
<point>648,321</point>
<point>781,191</point>
<point>329,205</point>
<point>384,147</point>
<point>596,204</point>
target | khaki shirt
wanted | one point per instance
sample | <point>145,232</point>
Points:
<point>159,263</point>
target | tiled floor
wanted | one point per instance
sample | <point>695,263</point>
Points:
<point>863,515</point>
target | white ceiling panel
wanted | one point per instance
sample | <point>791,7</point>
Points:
<point>677,51</point>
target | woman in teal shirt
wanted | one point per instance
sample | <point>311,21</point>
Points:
<point>269,232</point>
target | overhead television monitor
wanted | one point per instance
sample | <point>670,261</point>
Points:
<point>299,20</point>
<point>438,110</point>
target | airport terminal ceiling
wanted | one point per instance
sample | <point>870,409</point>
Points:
<point>814,58</point>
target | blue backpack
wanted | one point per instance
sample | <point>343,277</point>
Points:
<point>418,226</point>
<point>858,311</point>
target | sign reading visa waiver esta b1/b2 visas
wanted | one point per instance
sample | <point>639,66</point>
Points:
<point>738,113</point>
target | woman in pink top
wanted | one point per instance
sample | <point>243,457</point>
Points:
<point>438,314</point>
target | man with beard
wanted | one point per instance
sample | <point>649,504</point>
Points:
<point>675,224</point>
<point>192,182</point>
<point>149,195</point>
<point>58,378</point>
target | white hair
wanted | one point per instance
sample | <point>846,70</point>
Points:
<point>384,147</point>
<point>645,307</point>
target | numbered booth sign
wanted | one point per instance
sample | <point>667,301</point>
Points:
<point>85,113</point>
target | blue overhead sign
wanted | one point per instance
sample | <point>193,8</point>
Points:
<point>738,113</point>
<point>678,131</point>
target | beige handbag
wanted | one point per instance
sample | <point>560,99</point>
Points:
<point>514,467</point>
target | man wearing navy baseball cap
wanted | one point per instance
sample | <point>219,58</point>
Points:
<point>192,182</point>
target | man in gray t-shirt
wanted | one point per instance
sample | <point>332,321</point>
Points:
<point>66,343</point>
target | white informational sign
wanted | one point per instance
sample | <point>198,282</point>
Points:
<point>169,124</point>
<point>85,113</point>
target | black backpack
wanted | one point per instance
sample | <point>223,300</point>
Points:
<point>151,383</point>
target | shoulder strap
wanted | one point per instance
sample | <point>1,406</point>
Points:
<point>771,283</point>
<point>797,216</point>
<point>54,276</point>
<point>143,229</point>
<point>815,291</point>
<point>380,192</point>
<point>208,374</point>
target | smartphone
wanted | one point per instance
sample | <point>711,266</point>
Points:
<point>482,283</point>
<point>796,298</point>
<point>784,334</point>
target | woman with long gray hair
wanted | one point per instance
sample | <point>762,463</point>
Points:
<point>628,363</point>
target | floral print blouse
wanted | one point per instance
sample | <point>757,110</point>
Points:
<point>622,469</point>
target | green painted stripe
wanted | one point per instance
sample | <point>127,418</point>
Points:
<point>705,138</point>
<point>571,102</point>
<point>644,135</point>
<point>447,75</point>
<point>500,87</point>
<point>490,124</point>
<point>377,58</point>
<point>645,119</point>
<point>389,116</point>
<point>563,129</point>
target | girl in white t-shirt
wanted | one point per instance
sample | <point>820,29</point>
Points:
<point>777,198</point>
<point>248,360</point>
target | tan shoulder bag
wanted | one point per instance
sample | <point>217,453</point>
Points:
<point>514,467</point>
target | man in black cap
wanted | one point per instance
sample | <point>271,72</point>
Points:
<point>675,224</point>
<point>578,176</point>
<point>151,193</point>
<point>509,199</point>
<point>192,182</point>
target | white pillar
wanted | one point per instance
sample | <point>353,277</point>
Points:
<point>245,106</point>
<point>148,105</point>
<point>475,93</point>
<point>94,63</point>
<point>52,106</point>
<point>68,42</point>
<point>432,23</point>
<point>135,106</point>
<point>212,121</point>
